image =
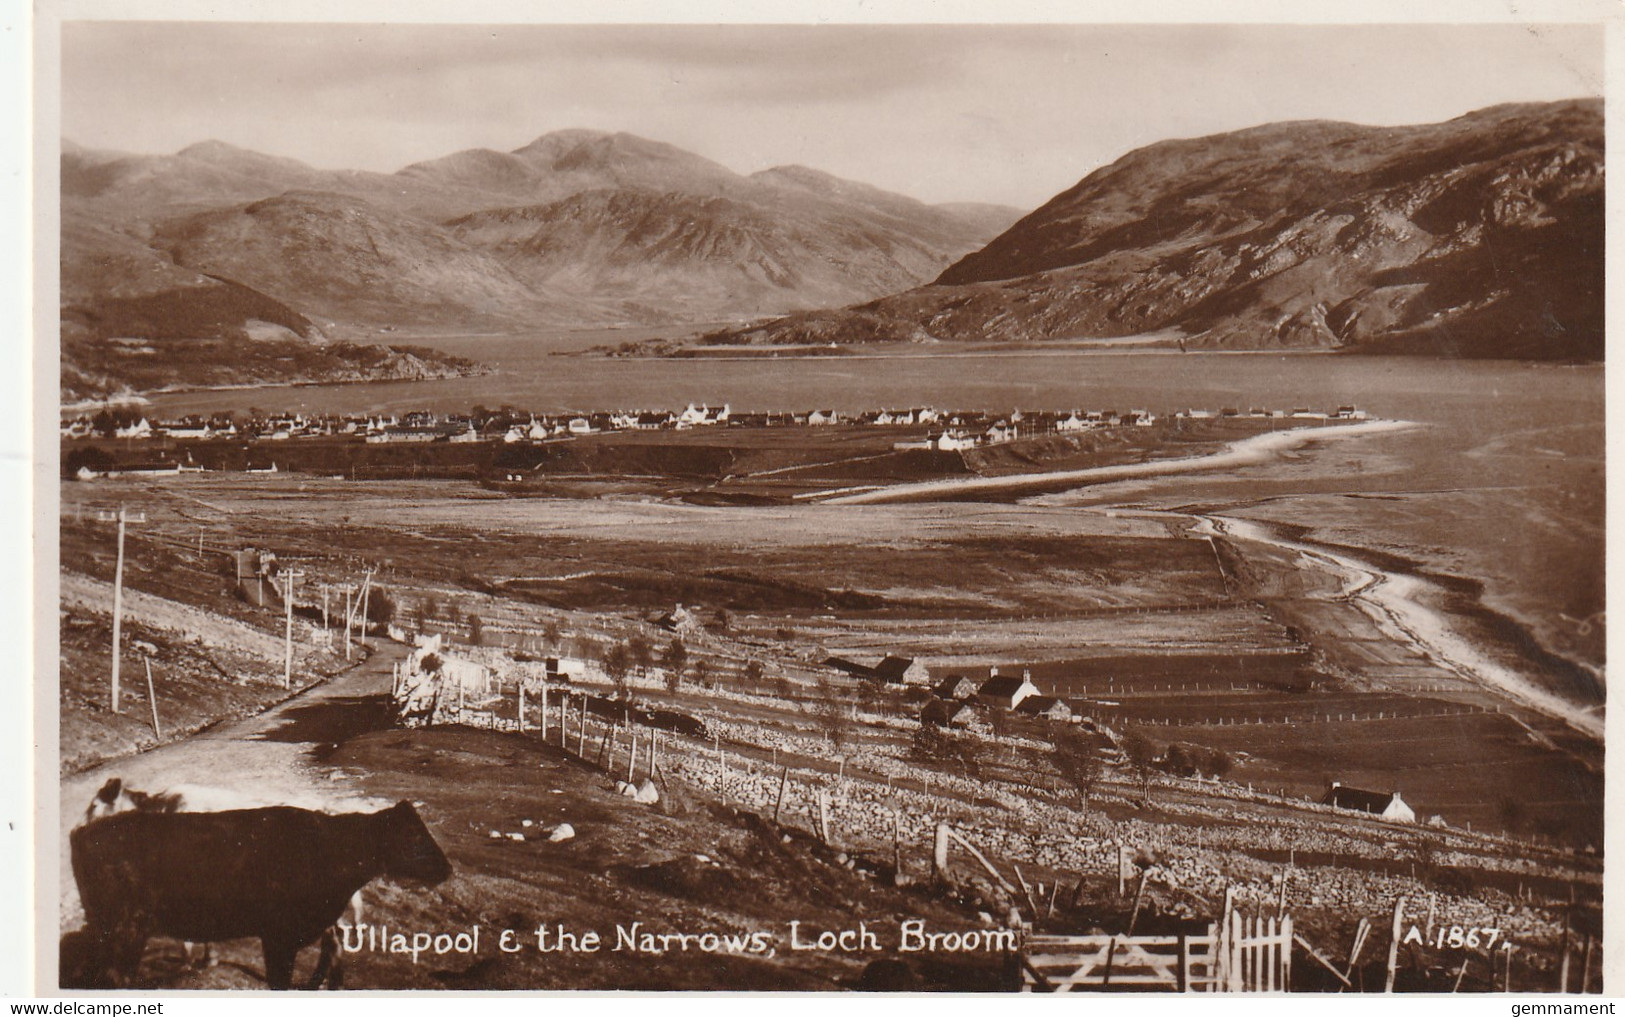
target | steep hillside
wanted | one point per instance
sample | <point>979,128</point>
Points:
<point>1481,236</point>
<point>134,319</point>
<point>345,261</point>
<point>686,256</point>
<point>575,229</point>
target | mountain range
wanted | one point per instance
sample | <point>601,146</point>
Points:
<point>1481,236</point>
<point>577,228</point>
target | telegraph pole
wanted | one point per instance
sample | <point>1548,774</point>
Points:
<point>118,597</point>
<point>118,606</point>
<point>287,638</point>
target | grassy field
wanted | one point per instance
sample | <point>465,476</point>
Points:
<point>1123,616</point>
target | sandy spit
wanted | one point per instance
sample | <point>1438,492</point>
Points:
<point>1392,600</point>
<point>1246,452</point>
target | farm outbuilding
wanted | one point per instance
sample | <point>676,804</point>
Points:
<point>946,713</point>
<point>1384,805</point>
<point>902,671</point>
<point>1047,707</point>
<point>891,670</point>
<point>955,686</point>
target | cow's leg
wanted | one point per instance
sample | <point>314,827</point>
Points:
<point>87,958</point>
<point>279,957</point>
<point>324,963</point>
<point>129,945</point>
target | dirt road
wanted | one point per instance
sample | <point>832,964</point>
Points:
<point>270,757</point>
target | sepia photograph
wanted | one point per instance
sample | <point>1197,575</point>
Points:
<point>1066,506</point>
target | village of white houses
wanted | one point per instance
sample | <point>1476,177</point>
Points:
<point>681,511</point>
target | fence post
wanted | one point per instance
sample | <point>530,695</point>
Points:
<point>1393,945</point>
<point>784,778</point>
<point>157,732</point>
<point>939,853</point>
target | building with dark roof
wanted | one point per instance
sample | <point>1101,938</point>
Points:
<point>890,670</point>
<point>1383,805</point>
<point>901,670</point>
<point>949,713</point>
<point>1047,707</point>
<point>1006,692</point>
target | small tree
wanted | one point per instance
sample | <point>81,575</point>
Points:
<point>702,674</point>
<point>617,664</point>
<point>639,652</point>
<point>1179,761</point>
<point>937,745</point>
<point>674,659</point>
<point>476,630</point>
<point>1218,763</point>
<point>1078,764</point>
<point>552,634</point>
<point>753,674</point>
<point>830,714</point>
<point>380,607</point>
<point>930,744</point>
<point>1142,756</point>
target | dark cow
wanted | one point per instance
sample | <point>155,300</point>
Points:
<point>281,874</point>
<point>115,797</point>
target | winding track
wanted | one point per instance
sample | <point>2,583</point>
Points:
<point>268,755</point>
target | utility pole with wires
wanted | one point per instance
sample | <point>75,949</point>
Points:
<point>123,517</point>
<point>287,605</point>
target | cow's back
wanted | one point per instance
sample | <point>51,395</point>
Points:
<point>222,875</point>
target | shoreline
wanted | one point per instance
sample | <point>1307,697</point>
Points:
<point>146,398</point>
<point>1244,452</point>
<point>1394,601</point>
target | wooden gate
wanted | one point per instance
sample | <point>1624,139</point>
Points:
<point>1241,955</point>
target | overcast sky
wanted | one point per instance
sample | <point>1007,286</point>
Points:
<point>1009,114</point>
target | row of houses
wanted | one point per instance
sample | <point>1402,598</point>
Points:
<point>1260,413</point>
<point>962,702</point>
<point>951,431</point>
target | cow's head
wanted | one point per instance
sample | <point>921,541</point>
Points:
<point>112,799</point>
<point>410,851</point>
